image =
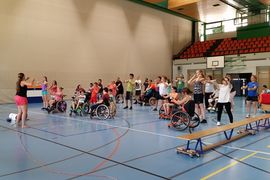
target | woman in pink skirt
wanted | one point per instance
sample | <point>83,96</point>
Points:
<point>21,98</point>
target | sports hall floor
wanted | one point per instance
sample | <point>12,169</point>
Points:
<point>135,145</point>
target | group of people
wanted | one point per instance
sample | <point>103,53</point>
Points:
<point>207,93</point>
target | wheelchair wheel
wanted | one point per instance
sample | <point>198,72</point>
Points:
<point>194,121</point>
<point>180,120</point>
<point>61,106</point>
<point>152,101</point>
<point>161,113</point>
<point>102,112</point>
<point>85,108</point>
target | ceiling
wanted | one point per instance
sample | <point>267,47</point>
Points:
<point>209,10</point>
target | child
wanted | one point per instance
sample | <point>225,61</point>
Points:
<point>188,105</point>
<point>104,100</point>
<point>180,83</point>
<point>212,100</point>
<point>44,92</point>
<point>224,99</point>
<point>81,98</point>
<point>172,96</point>
<point>94,93</point>
<point>265,90</point>
<point>58,96</point>
<point>138,89</point>
<point>112,103</point>
<point>197,81</point>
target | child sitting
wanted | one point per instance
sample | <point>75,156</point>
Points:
<point>187,103</point>
<point>213,100</point>
<point>172,96</point>
<point>58,96</point>
<point>104,100</point>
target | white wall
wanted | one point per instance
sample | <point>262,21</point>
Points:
<point>79,41</point>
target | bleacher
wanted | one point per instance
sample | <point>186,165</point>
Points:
<point>228,46</point>
<point>197,49</point>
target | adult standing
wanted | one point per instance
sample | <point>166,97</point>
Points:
<point>197,80</point>
<point>120,90</point>
<point>252,96</point>
<point>21,98</point>
<point>138,89</point>
<point>129,92</point>
<point>209,89</point>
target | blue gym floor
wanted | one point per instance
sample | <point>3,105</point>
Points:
<point>135,145</point>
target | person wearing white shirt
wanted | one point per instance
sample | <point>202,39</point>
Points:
<point>224,99</point>
<point>138,89</point>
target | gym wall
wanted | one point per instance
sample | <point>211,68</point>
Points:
<point>79,41</point>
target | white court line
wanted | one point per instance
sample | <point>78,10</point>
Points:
<point>104,124</point>
<point>146,132</point>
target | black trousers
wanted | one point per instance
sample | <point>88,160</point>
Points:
<point>228,110</point>
<point>206,97</point>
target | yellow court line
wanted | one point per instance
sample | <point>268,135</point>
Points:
<point>264,158</point>
<point>227,167</point>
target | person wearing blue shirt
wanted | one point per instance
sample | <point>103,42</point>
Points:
<point>252,95</point>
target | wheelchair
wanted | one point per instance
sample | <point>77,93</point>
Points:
<point>182,120</point>
<point>83,109</point>
<point>58,106</point>
<point>148,98</point>
<point>102,112</point>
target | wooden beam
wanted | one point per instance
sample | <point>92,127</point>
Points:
<point>178,3</point>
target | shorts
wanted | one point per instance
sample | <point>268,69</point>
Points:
<point>198,98</point>
<point>20,101</point>
<point>138,92</point>
<point>44,93</point>
<point>252,98</point>
<point>129,95</point>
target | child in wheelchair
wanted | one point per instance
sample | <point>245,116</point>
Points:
<point>104,100</point>
<point>169,105</point>
<point>186,117</point>
<point>149,92</point>
<point>77,102</point>
<point>213,100</point>
<point>56,97</point>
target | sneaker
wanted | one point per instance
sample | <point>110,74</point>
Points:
<point>213,108</point>
<point>125,107</point>
<point>218,123</point>
<point>155,109</point>
<point>204,121</point>
<point>135,102</point>
<point>209,108</point>
<point>130,108</point>
<point>248,115</point>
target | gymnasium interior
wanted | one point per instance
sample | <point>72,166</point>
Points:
<point>81,41</point>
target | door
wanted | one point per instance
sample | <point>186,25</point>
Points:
<point>263,75</point>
